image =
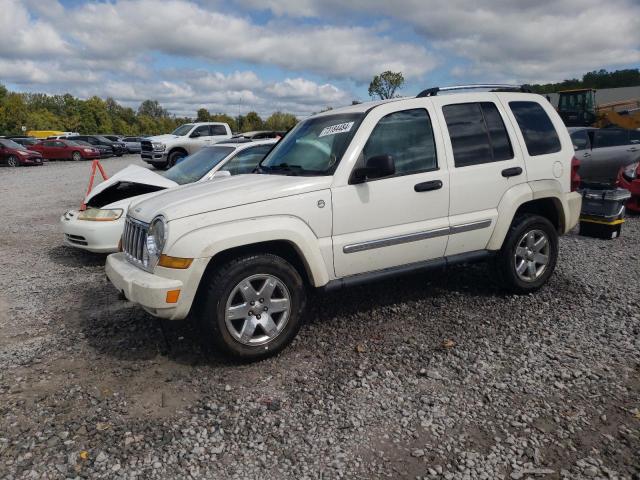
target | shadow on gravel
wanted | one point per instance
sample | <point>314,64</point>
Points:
<point>124,331</point>
<point>74,257</point>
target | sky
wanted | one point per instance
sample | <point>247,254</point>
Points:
<point>301,56</point>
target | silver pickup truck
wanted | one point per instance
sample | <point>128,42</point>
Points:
<point>603,151</point>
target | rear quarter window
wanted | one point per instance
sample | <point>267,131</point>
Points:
<point>539,134</point>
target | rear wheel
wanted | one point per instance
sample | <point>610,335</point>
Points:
<point>251,307</point>
<point>76,157</point>
<point>529,254</point>
<point>13,161</point>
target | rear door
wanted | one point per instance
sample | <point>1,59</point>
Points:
<point>218,132</point>
<point>484,162</point>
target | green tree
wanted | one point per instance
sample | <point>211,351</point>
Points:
<point>386,84</point>
<point>251,121</point>
<point>203,115</point>
<point>280,121</point>
<point>152,109</point>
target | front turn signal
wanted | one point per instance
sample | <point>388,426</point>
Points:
<point>174,262</point>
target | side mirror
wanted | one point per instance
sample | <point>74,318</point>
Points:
<point>194,135</point>
<point>575,148</point>
<point>221,173</point>
<point>375,167</point>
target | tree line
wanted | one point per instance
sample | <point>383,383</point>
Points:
<point>38,111</point>
<point>597,79</point>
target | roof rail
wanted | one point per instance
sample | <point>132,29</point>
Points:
<point>500,87</point>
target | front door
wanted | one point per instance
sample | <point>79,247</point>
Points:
<point>202,139</point>
<point>402,218</point>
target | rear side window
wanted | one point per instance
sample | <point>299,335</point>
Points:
<point>538,131</point>
<point>610,138</point>
<point>218,130</point>
<point>634,137</point>
<point>581,140</point>
<point>477,133</point>
<point>408,137</point>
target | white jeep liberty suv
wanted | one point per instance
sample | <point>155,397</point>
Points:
<point>353,195</point>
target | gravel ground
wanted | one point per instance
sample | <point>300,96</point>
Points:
<point>430,376</point>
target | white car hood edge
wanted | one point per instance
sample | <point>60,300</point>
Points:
<point>132,174</point>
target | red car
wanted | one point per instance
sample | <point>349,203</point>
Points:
<point>14,154</point>
<point>56,149</point>
<point>629,178</point>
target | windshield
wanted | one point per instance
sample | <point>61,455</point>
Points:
<point>11,144</point>
<point>313,147</point>
<point>192,168</point>
<point>102,139</point>
<point>182,129</point>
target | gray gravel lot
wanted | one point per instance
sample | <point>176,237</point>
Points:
<point>430,376</point>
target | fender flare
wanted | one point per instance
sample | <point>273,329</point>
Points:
<point>211,240</point>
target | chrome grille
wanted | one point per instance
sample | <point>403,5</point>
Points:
<point>146,146</point>
<point>134,238</point>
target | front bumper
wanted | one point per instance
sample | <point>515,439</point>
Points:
<point>97,237</point>
<point>153,156</point>
<point>149,290</point>
<point>633,204</point>
<point>30,160</point>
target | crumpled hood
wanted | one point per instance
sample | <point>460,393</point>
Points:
<point>225,192</point>
<point>132,174</point>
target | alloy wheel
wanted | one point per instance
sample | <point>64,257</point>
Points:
<point>257,309</point>
<point>532,255</point>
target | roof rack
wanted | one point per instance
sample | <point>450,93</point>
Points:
<point>497,87</point>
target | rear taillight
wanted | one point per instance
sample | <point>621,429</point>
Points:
<point>575,176</point>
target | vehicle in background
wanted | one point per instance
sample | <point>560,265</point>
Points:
<point>113,138</point>
<point>579,108</point>
<point>260,135</point>
<point>118,148</point>
<point>105,151</point>
<point>24,141</point>
<point>65,150</point>
<point>629,178</point>
<point>163,151</point>
<point>355,195</point>
<point>14,155</point>
<point>99,227</point>
<point>132,144</point>
<point>603,152</point>
<point>48,133</point>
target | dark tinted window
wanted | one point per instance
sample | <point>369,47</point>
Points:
<point>218,130</point>
<point>247,160</point>
<point>477,133</point>
<point>634,137</point>
<point>581,140</point>
<point>408,137</point>
<point>610,138</point>
<point>49,143</point>
<point>203,130</point>
<point>539,134</point>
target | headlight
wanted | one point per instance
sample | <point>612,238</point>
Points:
<point>156,239</point>
<point>631,171</point>
<point>160,147</point>
<point>22,152</point>
<point>100,215</point>
<point>88,150</point>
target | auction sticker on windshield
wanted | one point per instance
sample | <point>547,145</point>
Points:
<point>333,129</point>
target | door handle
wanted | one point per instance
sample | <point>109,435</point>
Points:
<point>632,149</point>
<point>428,186</point>
<point>511,172</point>
<point>586,154</point>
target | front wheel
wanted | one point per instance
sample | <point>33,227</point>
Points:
<point>529,254</point>
<point>251,307</point>
<point>76,157</point>
<point>13,161</point>
<point>174,157</point>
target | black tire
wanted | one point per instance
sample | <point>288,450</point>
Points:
<point>174,157</point>
<point>157,165</point>
<point>76,157</point>
<point>221,284</point>
<point>506,261</point>
<point>13,161</point>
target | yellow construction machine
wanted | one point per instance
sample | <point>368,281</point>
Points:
<point>578,108</point>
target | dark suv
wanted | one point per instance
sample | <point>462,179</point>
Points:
<point>118,148</point>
